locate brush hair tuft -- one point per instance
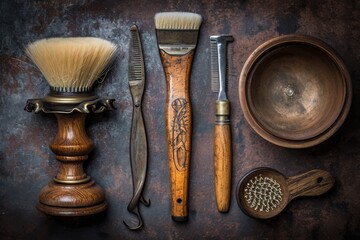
(72, 64)
(178, 20)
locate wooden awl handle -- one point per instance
(222, 156)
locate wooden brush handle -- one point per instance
(222, 156)
(72, 190)
(312, 183)
(71, 146)
(178, 128)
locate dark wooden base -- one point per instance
(83, 199)
(71, 212)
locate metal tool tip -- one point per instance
(133, 27)
(227, 37)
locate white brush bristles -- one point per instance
(72, 64)
(178, 20)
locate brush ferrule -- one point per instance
(222, 112)
(177, 49)
(177, 42)
(71, 89)
(68, 98)
(67, 104)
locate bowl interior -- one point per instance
(295, 91)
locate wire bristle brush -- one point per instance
(177, 34)
(264, 192)
(72, 64)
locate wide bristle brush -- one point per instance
(71, 66)
(177, 34)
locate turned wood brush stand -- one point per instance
(72, 192)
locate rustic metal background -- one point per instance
(27, 164)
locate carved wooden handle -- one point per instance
(312, 183)
(178, 128)
(222, 156)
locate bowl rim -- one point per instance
(277, 42)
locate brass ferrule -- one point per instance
(72, 98)
(61, 101)
(68, 102)
(84, 180)
(222, 107)
(222, 111)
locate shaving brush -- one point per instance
(71, 66)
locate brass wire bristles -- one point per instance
(177, 20)
(72, 64)
(263, 193)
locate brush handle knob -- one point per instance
(178, 129)
(312, 183)
(222, 156)
(71, 146)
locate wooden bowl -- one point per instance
(295, 91)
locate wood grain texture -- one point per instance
(72, 212)
(26, 163)
(295, 91)
(72, 196)
(178, 129)
(222, 166)
(72, 193)
(270, 191)
(71, 146)
(312, 183)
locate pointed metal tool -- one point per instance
(138, 141)
(222, 133)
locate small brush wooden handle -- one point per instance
(312, 183)
(222, 156)
(178, 128)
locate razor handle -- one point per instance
(177, 70)
(222, 156)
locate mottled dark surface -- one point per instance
(27, 164)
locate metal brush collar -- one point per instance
(61, 101)
(177, 42)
